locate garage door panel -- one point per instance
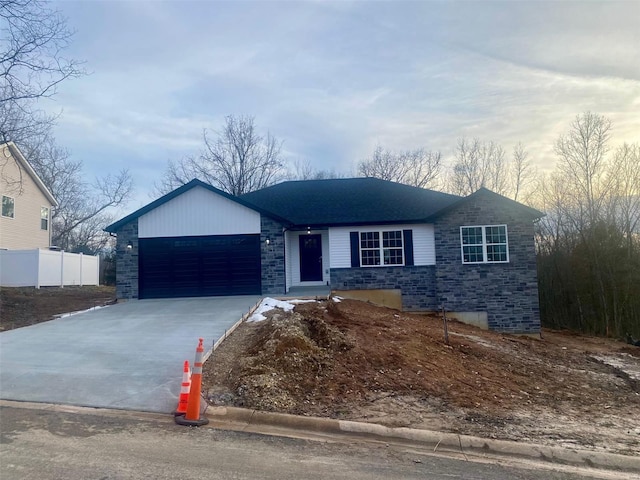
(200, 266)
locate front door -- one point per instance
(310, 258)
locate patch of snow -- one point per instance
(65, 315)
(478, 340)
(267, 305)
(296, 301)
(337, 299)
(623, 361)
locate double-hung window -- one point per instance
(8, 207)
(378, 248)
(44, 218)
(484, 244)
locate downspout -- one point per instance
(50, 222)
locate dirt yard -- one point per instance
(352, 360)
(20, 307)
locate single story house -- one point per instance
(473, 255)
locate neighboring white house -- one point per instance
(25, 219)
(25, 231)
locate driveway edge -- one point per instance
(228, 332)
(438, 441)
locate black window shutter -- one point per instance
(408, 246)
(355, 249)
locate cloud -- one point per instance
(334, 79)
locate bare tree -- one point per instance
(89, 236)
(589, 253)
(177, 173)
(83, 208)
(522, 172)
(582, 154)
(382, 164)
(582, 164)
(418, 168)
(625, 191)
(21, 126)
(303, 170)
(33, 37)
(236, 160)
(327, 174)
(478, 164)
(422, 167)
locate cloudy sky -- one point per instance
(334, 79)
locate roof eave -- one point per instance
(17, 154)
(357, 224)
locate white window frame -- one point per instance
(381, 248)
(48, 217)
(484, 244)
(13, 200)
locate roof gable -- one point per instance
(16, 154)
(482, 191)
(177, 192)
(198, 212)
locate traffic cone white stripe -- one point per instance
(183, 400)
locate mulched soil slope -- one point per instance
(20, 307)
(325, 356)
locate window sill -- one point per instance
(486, 263)
(382, 266)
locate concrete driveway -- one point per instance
(128, 355)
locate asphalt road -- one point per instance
(46, 444)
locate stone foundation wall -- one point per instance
(417, 283)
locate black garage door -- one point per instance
(199, 266)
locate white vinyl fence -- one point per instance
(47, 268)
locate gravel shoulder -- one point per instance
(355, 361)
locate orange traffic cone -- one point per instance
(192, 417)
(183, 400)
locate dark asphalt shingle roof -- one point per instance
(349, 201)
(334, 202)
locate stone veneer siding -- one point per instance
(127, 261)
(417, 283)
(272, 256)
(508, 292)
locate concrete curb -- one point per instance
(337, 430)
(438, 441)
